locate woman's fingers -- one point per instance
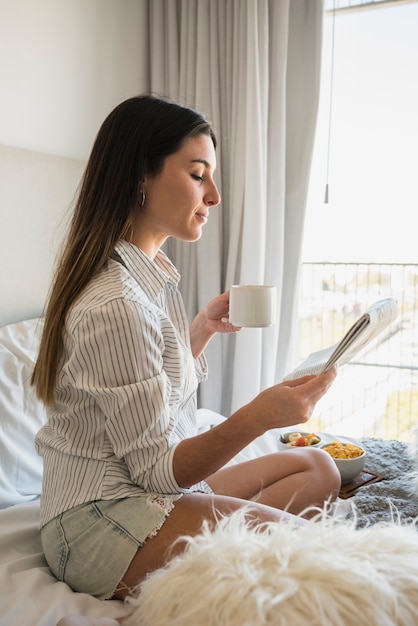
(293, 401)
(314, 387)
(314, 382)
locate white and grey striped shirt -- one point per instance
(126, 389)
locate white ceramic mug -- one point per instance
(253, 306)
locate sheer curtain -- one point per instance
(252, 66)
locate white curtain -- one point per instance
(252, 66)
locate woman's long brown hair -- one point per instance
(132, 142)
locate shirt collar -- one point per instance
(152, 275)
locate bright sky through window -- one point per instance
(373, 171)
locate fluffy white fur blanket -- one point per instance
(325, 573)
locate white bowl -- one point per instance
(283, 440)
(349, 468)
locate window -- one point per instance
(373, 147)
(362, 244)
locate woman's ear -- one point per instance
(141, 193)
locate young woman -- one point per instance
(125, 472)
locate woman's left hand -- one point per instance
(214, 318)
(217, 315)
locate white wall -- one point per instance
(36, 190)
(64, 64)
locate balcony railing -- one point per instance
(376, 394)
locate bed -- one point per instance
(32, 215)
(36, 190)
(29, 593)
(24, 573)
(23, 570)
(31, 596)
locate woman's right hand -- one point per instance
(290, 402)
(285, 404)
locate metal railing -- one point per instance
(345, 6)
(377, 393)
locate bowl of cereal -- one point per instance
(299, 439)
(349, 457)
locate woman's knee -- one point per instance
(324, 470)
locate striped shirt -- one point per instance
(126, 388)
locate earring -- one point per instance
(141, 198)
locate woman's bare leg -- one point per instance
(290, 481)
(187, 518)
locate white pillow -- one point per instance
(21, 414)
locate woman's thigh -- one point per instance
(73, 542)
(186, 519)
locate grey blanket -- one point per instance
(395, 497)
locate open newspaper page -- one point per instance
(363, 331)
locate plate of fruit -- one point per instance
(299, 439)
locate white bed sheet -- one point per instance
(29, 594)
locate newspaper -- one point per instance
(362, 332)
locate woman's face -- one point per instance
(178, 199)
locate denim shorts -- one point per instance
(91, 546)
